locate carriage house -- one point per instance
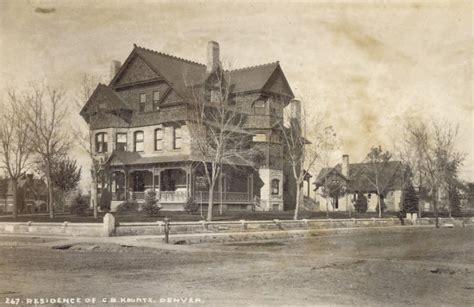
(140, 128)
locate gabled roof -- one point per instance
(393, 173)
(183, 74)
(113, 99)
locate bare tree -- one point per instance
(439, 159)
(216, 131)
(44, 111)
(300, 154)
(14, 150)
(379, 174)
(84, 137)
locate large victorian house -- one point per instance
(140, 125)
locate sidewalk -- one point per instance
(184, 240)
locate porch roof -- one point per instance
(123, 158)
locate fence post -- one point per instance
(109, 225)
(167, 230)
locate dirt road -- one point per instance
(416, 266)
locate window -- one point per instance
(177, 138)
(159, 139)
(142, 102)
(102, 106)
(260, 137)
(259, 107)
(369, 196)
(275, 187)
(121, 142)
(138, 140)
(101, 142)
(156, 99)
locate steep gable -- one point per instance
(278, 84)
(136, 71)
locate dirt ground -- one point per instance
(413, 266)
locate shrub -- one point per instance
(79, 205)
(410, 200)
(105, 200)
(151, 207)
(191, 207)
(361, 203)
(127, 206)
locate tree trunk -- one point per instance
(297, 205)
(210, 202)
(93, 200)
(435, 204)
(15, 198)
(50, 191)
(379, 204)
(327, 206)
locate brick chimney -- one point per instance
(213, 61)
(345, 166)
(114, 68)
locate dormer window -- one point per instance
(156, 99)
(142, 104)
(102, 106)
(259, 107)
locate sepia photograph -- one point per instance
(236, 153)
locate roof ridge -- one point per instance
(168, 55)
(254, 66)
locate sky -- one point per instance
(368, 66)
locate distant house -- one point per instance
(32, 195)
(352, 178)
(140, 125)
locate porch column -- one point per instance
(125, 171)
(251, 187)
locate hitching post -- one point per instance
(167, 229)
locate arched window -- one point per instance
(275, 187)
(101, 142)
(158, 139)
(259, 107)
(138, 140)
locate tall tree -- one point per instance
(44, 111)
(300, 154)
(84, 138)
(215, 130)
(66, 176)
(378, 174)
(14, 149)
(439, 159)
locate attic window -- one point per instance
(156, 99)
(259, 107)
(102, 106)
(142, 102)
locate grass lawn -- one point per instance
(125, 217)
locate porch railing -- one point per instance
(227, 197)
(173, 196)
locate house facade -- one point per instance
(337, 187)
(32, 195)
(140, 129)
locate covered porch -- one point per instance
(179, 183)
